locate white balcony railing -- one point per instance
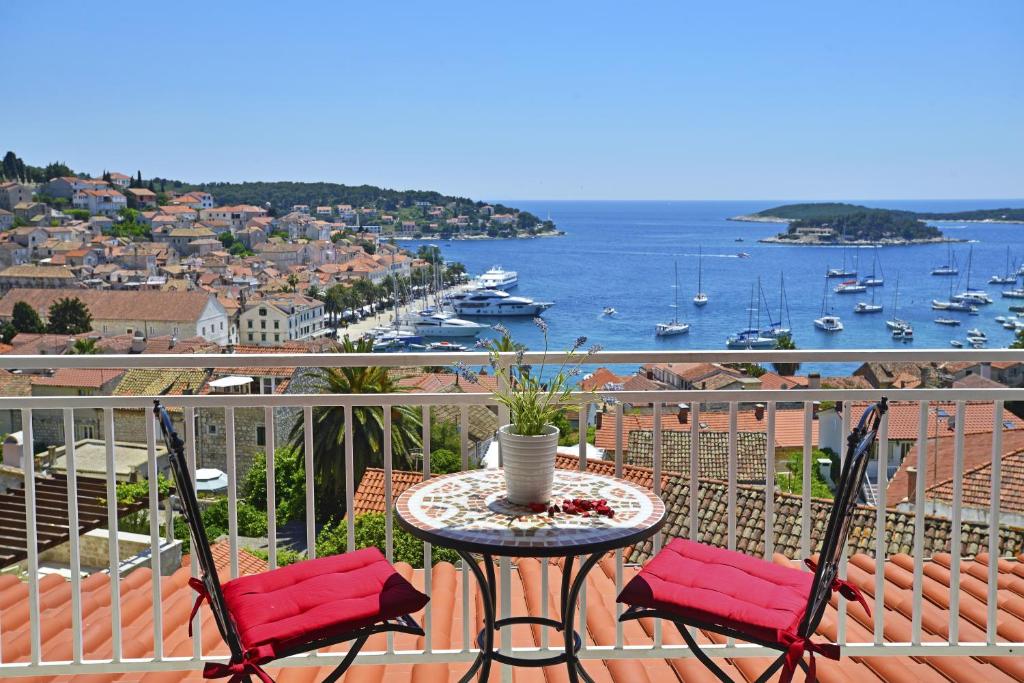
(36, 664)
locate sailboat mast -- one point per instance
(700, 270)
(675, 312)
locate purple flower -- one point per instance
(541, 325)
(575, 372)
(596, 348)
(519, 357)
(502, 330)
(465, 373)
(580, 341)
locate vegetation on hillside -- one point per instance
(978, 215)
(853, 222)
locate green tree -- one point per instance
(785, 343)
(7, 332)
(370, 533)
(791, 480)
(25, 319)
(444, 461)
(367, 428)
(289, 484)
(86, 346)
(69, 316)
(1018, 342)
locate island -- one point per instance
(840, 223)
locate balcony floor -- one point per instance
(526, 596)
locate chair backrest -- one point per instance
(200, 544)
(848, 492)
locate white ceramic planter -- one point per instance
(529, 463)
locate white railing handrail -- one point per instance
(480, 358)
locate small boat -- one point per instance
(829, 323)
(904, 333)
(896, 321)
(1000, 319)
(961, 306)
(949, 267)
(1017, 309)
(977, 342)
(498, 278)
(445, 346)
(1008, 278)
(700, 298)
(874, 279)
(956, 343)
(751, 337)
(739, 239)
(850, 287)
(841, 272)
(976, 333)
(973, 296)
(675, 327)
(1015, 293)
(947, 321)
(864, 307)
(609, 311)
(743, 254)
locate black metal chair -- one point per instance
(294, 609)
(738, 596)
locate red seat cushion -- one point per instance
(722, 587)
(318, 599)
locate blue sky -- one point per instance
(668, 100)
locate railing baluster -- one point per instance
(992, 596)
(31, 535)
(271, 457)
(881, 547)
(389, 506)
(350, 517)
(769, 485)
(619, 638)
(74, 529)
(656, 457)
(190, 454)
(581, 452)
(113, 549)
(805, 503)
(732, 466)
(154, 536)
(955, 543)
(694, 471)
(428, 574)
(307, 444)
(229, 431)
(840, 600)
(919, 512)
(464, 450)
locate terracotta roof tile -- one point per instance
(904, 418)
(789, 426)
(977, 485)
(713, 453)
(115, 305)
(86, 378)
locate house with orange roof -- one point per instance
(238, 215)
(104, 202)
(65, 187)
(140, 198)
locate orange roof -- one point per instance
(789, 426)
(89, 378)
(977, 485)
(526, 597)
(904, 418)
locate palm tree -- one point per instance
(293, 282)
(367, 429)
(85, 346)
(785, 343)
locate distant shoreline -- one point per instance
(752, 218)
(814, 242)
(453, 238)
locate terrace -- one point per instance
(946, 591)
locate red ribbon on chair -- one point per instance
(844, 588)
(240, 671)
(795, 649)
(199, 587)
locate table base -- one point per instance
(568, 601)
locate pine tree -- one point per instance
(25, 319)
(69, 316)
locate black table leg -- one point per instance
(569, 602)
(486, 583)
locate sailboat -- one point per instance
(828, 322)
(751, 337)
(949, 267)
(953, 303)
(700, 298)
(971, 295)
(896, 322)
(865, 307)
(1009, 278)
(674, 327)
(842, 272)
(776, 329)
(875, 278)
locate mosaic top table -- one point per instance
(468, 512)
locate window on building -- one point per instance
(212, 429)
(277, 324)
(263, 336)
(277, 337)
(250, 336)
(250, 324)
(267, 385)
(261, 436)
(263, 324)
(263, 311)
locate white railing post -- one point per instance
(232, 464)
(805, 481)
(154, 535)
(113, 546)
(270, 457)
(919, 513)
(881, 547)
(28, 459)
(955, 542)
(769, 484)
(992, 593)
(307, 443)
(74, 530)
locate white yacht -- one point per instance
(498, 278)
(750, 339)
(495, 302)
(700, 298)
(434, 324)
(865, 307)
(829, 323)
(674, 327)
(850, 287)
(1015, 293)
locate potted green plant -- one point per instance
(534, 397)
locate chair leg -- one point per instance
(691, 643)
(357, 645)
(770, 671)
